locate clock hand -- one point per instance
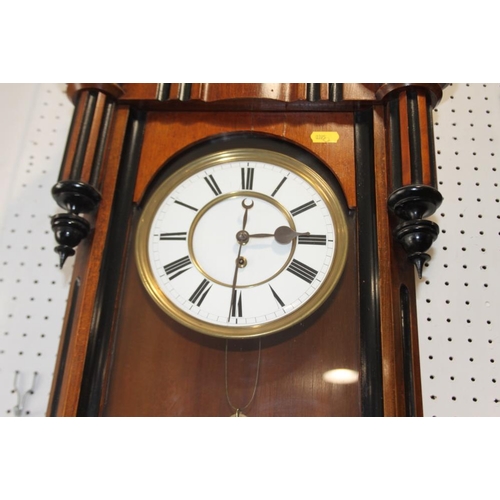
(282, 235)
(239, 260)
(246, 207)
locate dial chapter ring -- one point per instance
(222, 198)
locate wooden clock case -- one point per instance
(120, 355)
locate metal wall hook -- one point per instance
(21, 400)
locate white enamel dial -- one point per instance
(208, 253)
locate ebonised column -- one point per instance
(412, 166)
(78, 187)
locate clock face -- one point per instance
(241, 243)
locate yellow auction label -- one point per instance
(324, 136)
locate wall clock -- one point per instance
(243, 247)
(242, 243)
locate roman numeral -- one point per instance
(303, 208)
(279, 185)
(277, 297)
(302, 271)
(173, 236)
(177, 267)
(236, 305)
(312, 239)
(247, 178)
(185, 205)
(200, 293)
(213, 185)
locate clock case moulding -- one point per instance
(125, 137)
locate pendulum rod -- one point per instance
(239, 409)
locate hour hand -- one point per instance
(283, 235)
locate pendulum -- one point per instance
(239, 411)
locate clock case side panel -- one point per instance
(388, 327)
(399, 331)
(90, 307)
(102, 329)
(368, 261)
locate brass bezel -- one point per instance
(300, 169)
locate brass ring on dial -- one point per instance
(220, 199)
(300, 169)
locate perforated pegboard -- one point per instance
(33, 290)
(458, 297)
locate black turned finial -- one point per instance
(415, 201)
(412, 203)
(416, 237)
(76, 197)
(69, 229)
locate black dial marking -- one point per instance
(247, 178)
(277, 297)
(200, 293)
(303, 208)
(178, 267)
(236, 305)
(312, 239)
(185, 205)
(279, 185)
(173, 236)
(302, 271)
(213, 185)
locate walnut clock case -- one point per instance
(244, 249)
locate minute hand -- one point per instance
(282, 235)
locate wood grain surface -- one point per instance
(160, 368)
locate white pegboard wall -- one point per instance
(459, 296)
(33, 290)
